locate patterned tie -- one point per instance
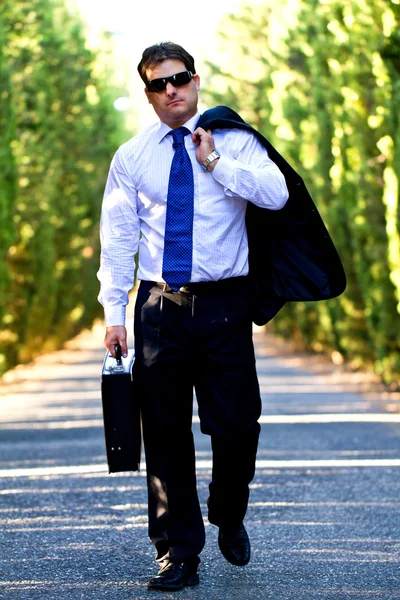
(177, 261)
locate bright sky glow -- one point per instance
(146, 23)
(122, 104)
(136, 25)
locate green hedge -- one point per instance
(328, 74)
(58, 132)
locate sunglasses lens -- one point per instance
(177, 80)
(157, 85)
(181, 78)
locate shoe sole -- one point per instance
(190, 581)
(241, 563)
(236, 563)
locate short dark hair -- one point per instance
(154, 55)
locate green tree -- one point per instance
(330, 85)
(7, 176)
(65, 132)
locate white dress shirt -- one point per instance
(135, 203)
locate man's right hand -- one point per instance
(116, 335)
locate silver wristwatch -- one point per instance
(210, 158)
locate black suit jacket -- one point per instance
(291, 255)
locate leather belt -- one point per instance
(206, 288)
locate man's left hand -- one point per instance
(205, 145)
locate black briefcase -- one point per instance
(121, 413)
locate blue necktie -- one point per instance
(177, 260)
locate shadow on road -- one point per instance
(324, 509)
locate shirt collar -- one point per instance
(164, 129)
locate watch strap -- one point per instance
(209, 159)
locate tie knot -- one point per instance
(178, 135)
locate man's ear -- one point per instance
(196, 79)
(146, 91)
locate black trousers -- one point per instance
(201, 339)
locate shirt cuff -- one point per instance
(223, 171)
(114, 315)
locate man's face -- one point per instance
(174, 105)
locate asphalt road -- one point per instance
(324, 508)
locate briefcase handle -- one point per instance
(118, 354)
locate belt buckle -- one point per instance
(184, 290)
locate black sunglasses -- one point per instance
(177, 80)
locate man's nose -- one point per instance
(170, 89)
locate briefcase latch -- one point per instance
(116, 369)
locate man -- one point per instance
(179, 194)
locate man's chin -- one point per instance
(176, 114)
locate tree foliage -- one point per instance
(321, 79)
(58, 129)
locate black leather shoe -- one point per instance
(173, 576)
(235, 545)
